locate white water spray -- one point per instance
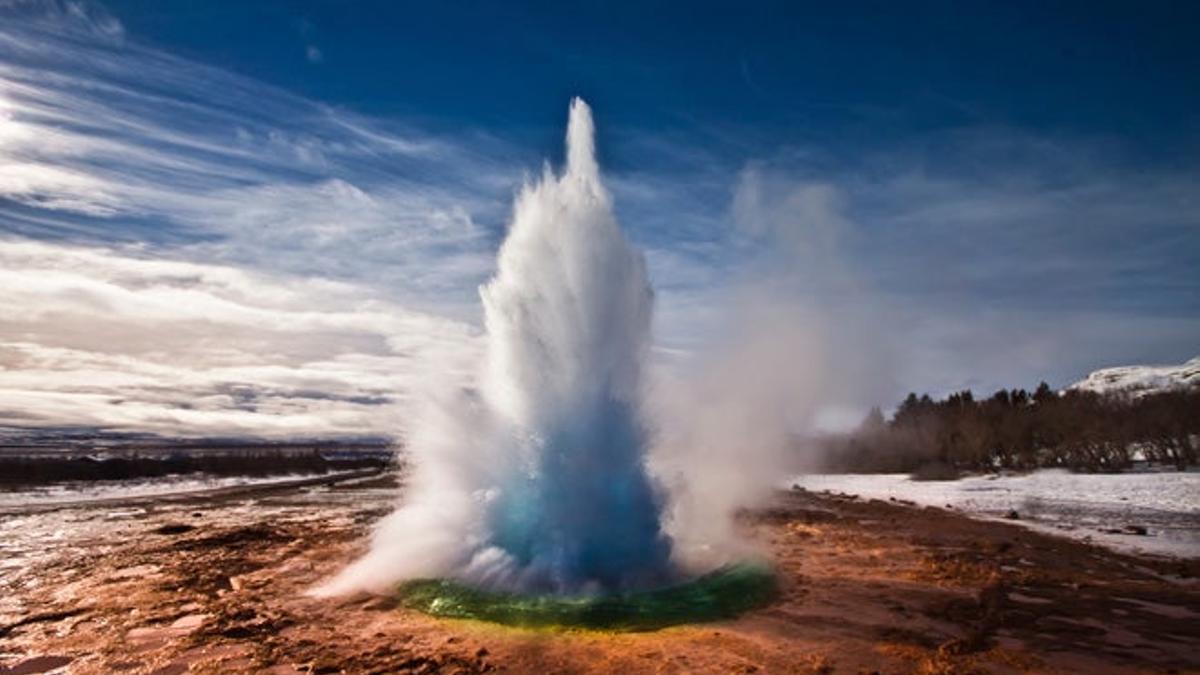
(537, 481)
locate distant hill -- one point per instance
(1141, 380)
(83, 440)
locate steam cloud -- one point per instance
(569, 469)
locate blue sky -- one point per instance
(791, 72)
(272, 217)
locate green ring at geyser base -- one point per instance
(721, 594)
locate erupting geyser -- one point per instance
(568, 320)
(536, 481)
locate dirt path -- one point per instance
(867, 587)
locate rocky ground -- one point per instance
(217, 585)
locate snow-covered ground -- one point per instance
(104, 490)
(1076, 505)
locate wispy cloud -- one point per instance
(67, 16)
(124, 143)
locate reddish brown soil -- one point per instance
(867, 587)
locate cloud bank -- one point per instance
(111, 339)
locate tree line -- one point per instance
(1017, 430)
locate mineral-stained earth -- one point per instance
(217, 584)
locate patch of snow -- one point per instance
(1097, 507)
(162, 486)
(1141, 380)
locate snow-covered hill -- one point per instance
(1142, 379)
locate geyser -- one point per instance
(568, 320)
(536, 482)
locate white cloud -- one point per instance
(58, 189)
(107, 338)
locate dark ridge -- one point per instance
(86, 439)
(23, 470)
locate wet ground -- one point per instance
(216, 584)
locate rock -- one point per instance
(38, 664)
(174, 528)
(1012, 515)
(189, 623)
(142, 572)
(1138, 530)
(146, 636)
